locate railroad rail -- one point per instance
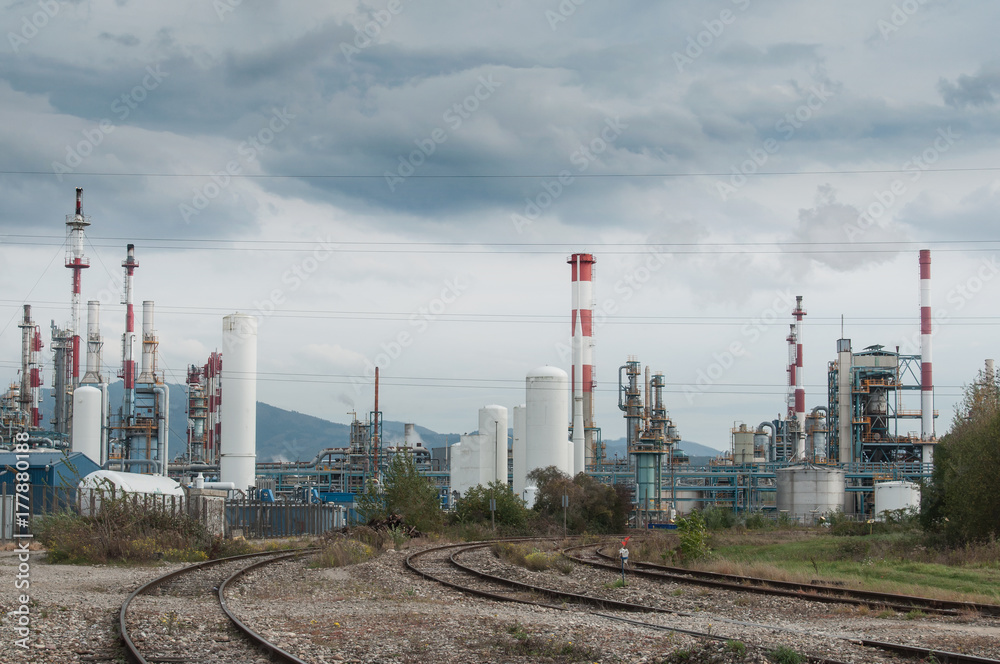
(813, 592)
(212, 587)
(445, 568)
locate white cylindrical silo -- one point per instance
(238, 410)
(897, 495)
(518, 453)
(546, 420)
(493, 429)
(87, 422)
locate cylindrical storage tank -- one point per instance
(687, 501)
(238, 410)
(87, 422)
(647, 486)
(530, 495)
(899, 495)
(808, 492)
(546, 420)
(466, 463)
(743, 445)
(493, 429)
(519, 452)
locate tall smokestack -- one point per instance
(147, 372)
(94, 344)
(76, 261)
(800, 393)
(128, 339)
(926, 357)
(583, 376)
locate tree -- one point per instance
(405, 492)
(961, 499)
(474, 506)
(593, 506)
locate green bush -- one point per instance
(693, 535)
(511, 513)
(718, 518)
(123, 529)
(785, 655)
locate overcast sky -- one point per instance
(362, 175)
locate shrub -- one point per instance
(693, 536)
(718, 518)
(785, 655)
(341, 551)
(123, 529)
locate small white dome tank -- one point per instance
(547, 419)
(100, 482)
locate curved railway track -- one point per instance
(443, 565)
(155, 612)
(813, 592)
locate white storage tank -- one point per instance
(86, 435)
(518, 452)
(807, 492)
(547, 419)
(898, 495)
(238, 408)
(466, 463)
(687, 501)
(743, 445)
(493, 429)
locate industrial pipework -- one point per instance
(76, 261)
(31, 370)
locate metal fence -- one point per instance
(244, 517)
(254, 518)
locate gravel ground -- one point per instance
(380, 612)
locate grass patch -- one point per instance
(341, 551)
(519, 642)
(785, 655)
(529, 557)
(896, 562)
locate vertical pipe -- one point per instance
(94, 344)
(926, 358)
(76, 261)
(376, 443)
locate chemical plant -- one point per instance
(862, 451)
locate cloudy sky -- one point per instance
(401, 183)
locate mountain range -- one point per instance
(287, 435)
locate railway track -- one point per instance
(443, 564)
(813, 592)
(157, 620)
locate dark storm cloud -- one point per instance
(982, 90)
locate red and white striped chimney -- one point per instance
(926, 358)
(583, 362)
(800, 393)
(76, 261)
(128, 339)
